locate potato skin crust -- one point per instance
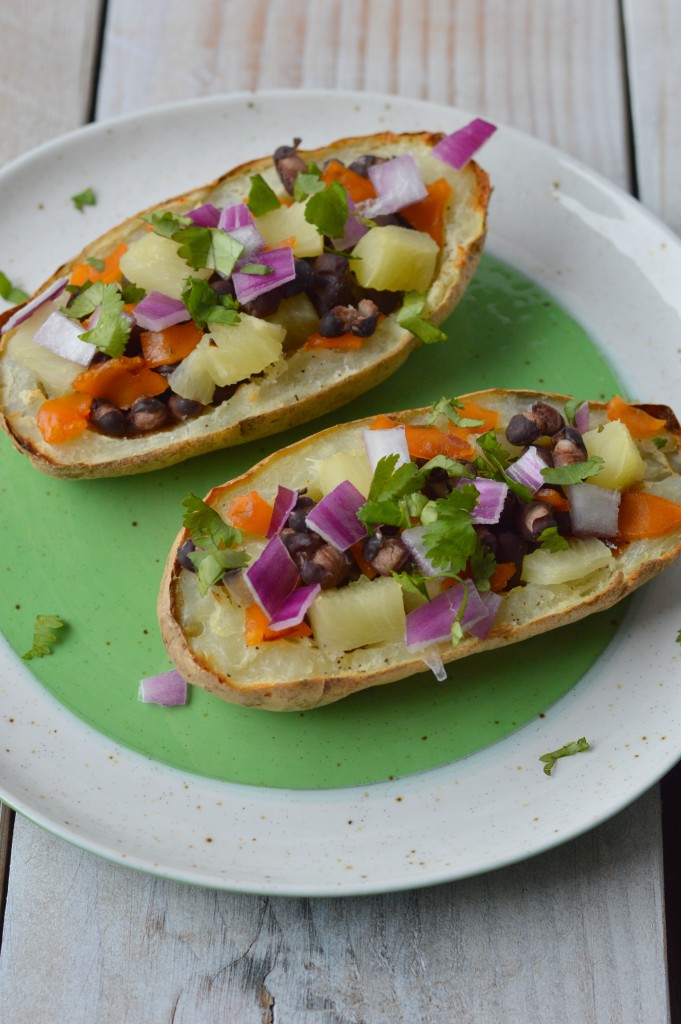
(313, 383)
(650, 558)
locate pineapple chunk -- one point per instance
(395, 259)
(55, 373)
(353, 466)
(242, 349)
(298, 317)
(365, 612)
(289, 222)
(551, 567)
(152, 263)
(193, 378)
(623, 463)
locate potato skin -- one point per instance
(646, 559)
(313, 383)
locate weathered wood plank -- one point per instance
(47, 57)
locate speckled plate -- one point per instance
(615, 270)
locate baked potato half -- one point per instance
(170, 391)
(506, 515)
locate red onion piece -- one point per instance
(481, 627)
(252, 241)
(458, 148)
(380, 443)
(432, 622)
(398, 183)
(582, 418)
(272, 577)
(29, 308)
(294, 608)
(413, 538)
(236, 216)
(491, 500)
(206, 216)
(527, 469)
(283, 505)
(168, 689)
(249, 286)
(60, 335)
(335, 517)
(594, 511)
(354, 230)
(157, 311)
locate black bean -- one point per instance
(439, 484)
(548, 419)
(522, 430)
(362, 164)
(392, 556)
(533, 519)
(147, 414)
(183, 553)
(108, 418)
(298, 515)
(327, 566)
(264, 305)
(222, 393)
(568, 448)
(299, 542)
(183, 408)
(332, 283)
(303, 280)
(289, 165)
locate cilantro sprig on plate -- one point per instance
(44, 635)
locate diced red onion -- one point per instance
(272, 577)
(294, 608)
(335, 517)
(236, 216)
(432, 622)
(433, 661)
(283, 505)
(594, 511)
(527, 469)
(29, 308)
(381, 443)
(61, 335)
(206, 216)
(157, 311)
(168, 689)
(412, 537)
(482, 626)
(458, 148)
(249, 286)
(252, 241)
(354, 230)
(398, 183)
(491, 500)
(582, 418)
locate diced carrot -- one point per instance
(60, 419)
(552, 497)
(471, 411)
(644, 515)
(111, 272)
(250, 512)
(121, 381)
(257, 631)
(503, 572)
(640, 424)
(427, 442)
(429, 214)
(366, 567)
(343, 342)
(384, 422)
(357, 186)
(162, 348)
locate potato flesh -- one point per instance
(152, 263)
(623, 463)
(289, 222)
(363, 613)
(580, 559)
(395, 259)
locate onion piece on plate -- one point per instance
(168, 689)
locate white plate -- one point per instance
(616, 269)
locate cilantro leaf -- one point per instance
(409, 317)
(85, 198)
(659, 442)
(552, 541)
(9, 292)
(482, 564)
(208, 247)
(44, 634)
(206, 527)
(575, 747)
(386, 503)
(328, 210)
(131, 293)
(574, 473)
(453, 467)
(261, 198)
(450, 539)
(412, 583)
(448, 407)
(496, 460)
(92, 261)
(205, 305)
(571, 408)
(678, 637)
(307, 185)
(211, 565)
(167, 223)
(112, 330)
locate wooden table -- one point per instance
(577, 934)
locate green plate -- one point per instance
(93, 553)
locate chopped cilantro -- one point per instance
(94, 262)
(83, 199)
(261, 198)
(448, 407)
(44, 634)
(112, 330)
(328, 210)
(412, 583)
(457, 628)
(575, 747)
(659, 442)
(574, 473)
(167, 223)
(209, 248)
(552, 541)
(131, 293)
(410, 317)
(482, 564)
(386, 504)
(205, 305)
(214, 537)
(307, 185)
(495, 462)
(258, 269)
(211, 565)
(9, 292)
(571, 408)
(678, 637)
(450, 539)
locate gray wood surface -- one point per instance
(575, 935)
